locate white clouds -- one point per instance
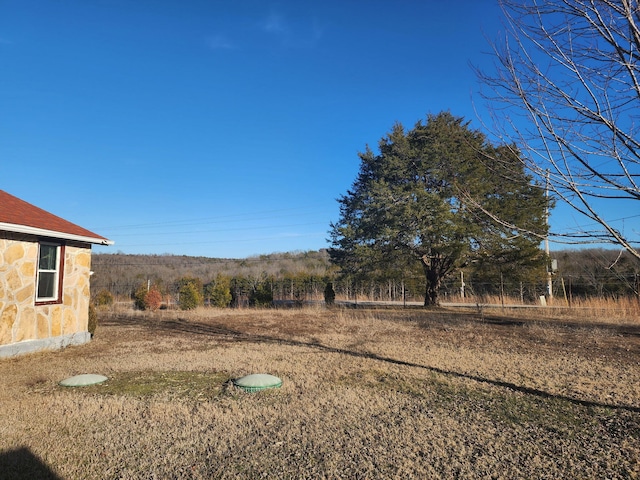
(220, 42)
(292, 33)
(272, 28)
(275, 24)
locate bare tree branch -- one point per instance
(565, 91)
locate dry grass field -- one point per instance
(367, 394)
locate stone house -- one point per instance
(45, 264)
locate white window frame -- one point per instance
(57, 274)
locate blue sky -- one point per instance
(221, 129)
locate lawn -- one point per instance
(387, 393)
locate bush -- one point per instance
(218, 292)
(103, 298)
(153, 299)
(139, 297)
(329, 294)
(150, 299)
(189, 297)
(262, 296)
(93, 320)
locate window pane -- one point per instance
(47, 284)
(48, 257)
(48, 273)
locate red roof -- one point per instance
(20, 213)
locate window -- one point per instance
(49, 279)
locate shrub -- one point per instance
(103, 298)
(150, 299)
(139, 297)
(218, 292)
(189, 297)
(153, 299)
(261, 296)
(93, 320)
(329, 294)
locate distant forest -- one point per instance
(303, 276)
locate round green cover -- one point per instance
(83, 380)
(258, 381)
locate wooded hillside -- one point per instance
(295, 275)
(121, 273)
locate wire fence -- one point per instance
(309, 288)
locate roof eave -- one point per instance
(10, 227)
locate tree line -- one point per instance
(258, 280)
(301, 277)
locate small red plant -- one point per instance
(153, 299)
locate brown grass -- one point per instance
(592, 311)
(367, 394)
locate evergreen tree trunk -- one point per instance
(433, 281)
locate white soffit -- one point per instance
(10, 227)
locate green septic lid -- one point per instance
(257, 381)
(83, 380)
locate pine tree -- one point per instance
(439, 195)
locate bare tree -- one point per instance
(566, 91)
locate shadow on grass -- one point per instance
(228, 334)
(21, 464)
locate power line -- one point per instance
(255, 215)
(226, 241)
(217, 230)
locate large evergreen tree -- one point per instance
(440, 195)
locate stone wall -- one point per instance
(27, 327)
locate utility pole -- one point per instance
(546, 241)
